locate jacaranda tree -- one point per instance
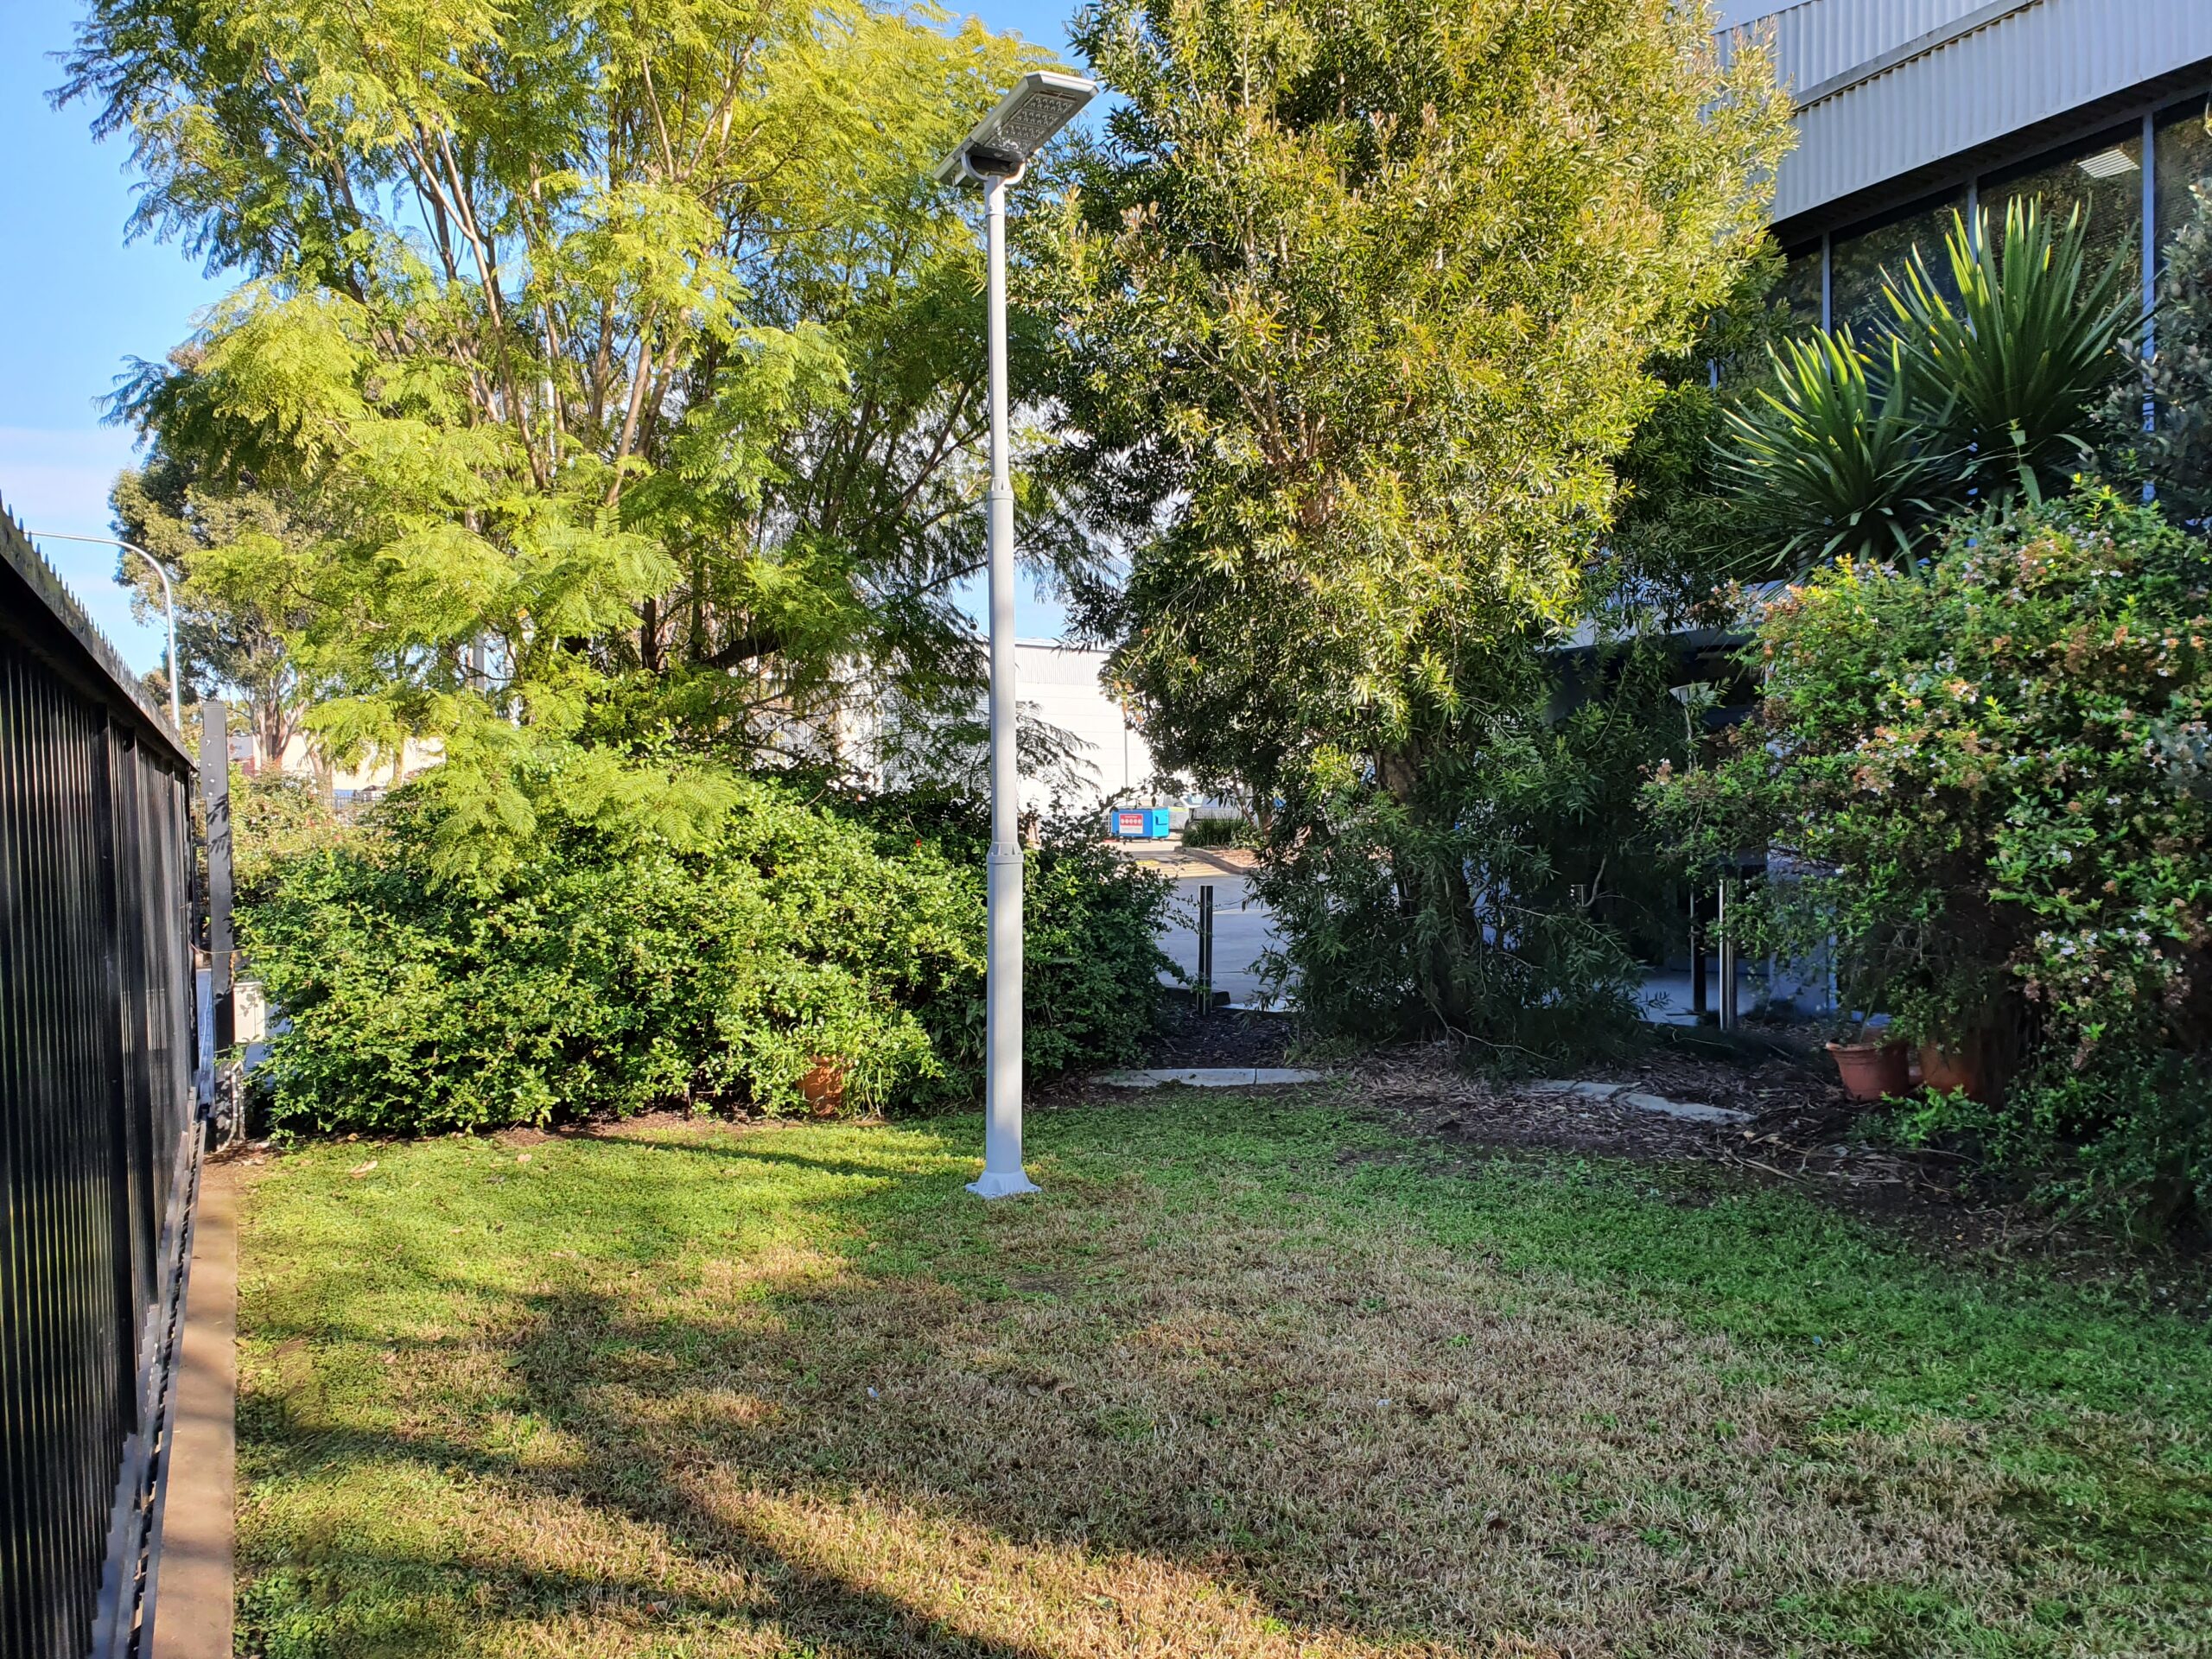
(623, 358)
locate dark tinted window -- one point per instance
(2184, 161)
(1800, 289)
(2104, 179)
(1862, 262)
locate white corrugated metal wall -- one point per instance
(1936, 78)
(1817, 40)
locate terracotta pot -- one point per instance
(1966, 1069)
(1870, 1071)
(823, 1085)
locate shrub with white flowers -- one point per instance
(2002, 756)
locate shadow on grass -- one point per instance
(363, 1597)
(1025, 1412)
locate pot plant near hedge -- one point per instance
(1996, 769)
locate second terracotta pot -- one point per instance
(1966, 1069)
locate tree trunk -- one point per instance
(1434, 894)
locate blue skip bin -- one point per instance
(1138, 822)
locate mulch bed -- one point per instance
(1805, 1134)
(1223, 1037)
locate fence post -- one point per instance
(1699, 1005)
(1729, 1012)
(215, 795)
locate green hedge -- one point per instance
(1217, 832)
(594, 976)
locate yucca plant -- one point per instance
(1833, 460)
(1992, 399)
(2010, 376)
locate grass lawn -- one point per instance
(1251, 1376)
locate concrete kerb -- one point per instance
(1210, 1076)
(193, 1615)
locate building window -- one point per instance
(1862, 262)
(1800, 290)
(2104, 179)
(2185, 160)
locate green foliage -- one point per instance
(582, 347)
(2176, 455)
(242, 566)
(616, 974)
(1833, 462)
(2001, 769)
(1532, 837)
(2010, 376)
(1973, 402)
(275, 819)
(1218, 832)
(1675, 534)
(1361, 305)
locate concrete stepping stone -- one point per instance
(1622, 1094)
(1210, 1076)
(1689, 1112)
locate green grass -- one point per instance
(1249, 1378)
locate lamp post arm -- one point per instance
(169, 604)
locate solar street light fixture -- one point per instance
(1000, 145)
(994, 155)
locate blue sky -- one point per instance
(82, 302)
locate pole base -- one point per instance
(1002, 1184)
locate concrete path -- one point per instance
(1669, 995)
(1242, 928)
(192, 1613)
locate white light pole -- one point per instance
(169, 602)
(994, 155)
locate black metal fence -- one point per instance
(98, 1162)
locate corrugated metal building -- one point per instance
(1909, 110)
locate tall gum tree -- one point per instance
(1360, 301)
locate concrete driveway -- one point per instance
(1242, 928)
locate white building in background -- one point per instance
(1100, 744)
(370, 777)
(1062, 686)
(1910, 111)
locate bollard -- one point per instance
(1728, 1008)
(1699, 1004)
(1205, 949)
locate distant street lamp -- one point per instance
(995, 155)
(168, 601)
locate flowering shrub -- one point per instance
(1998, 767)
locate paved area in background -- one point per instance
(1667, 995)
(192, 1603)
(1242, 927)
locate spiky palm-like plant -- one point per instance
(1832, 461)
(1985, 400)
(2010, 375)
